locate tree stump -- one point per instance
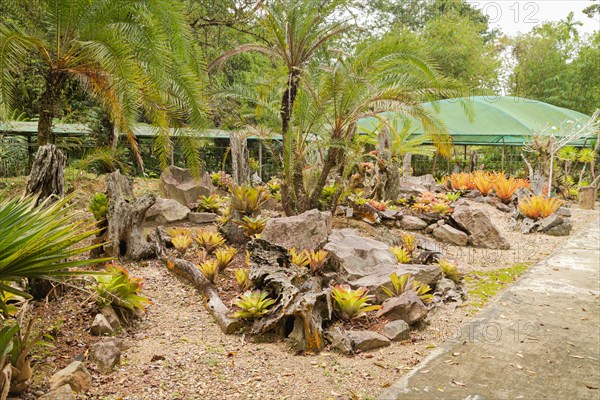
(587, 197)
(47, 177)
(125, 219)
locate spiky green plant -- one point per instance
(99, 206)
(300, 258)
(247, 200)
(252, 226)
(404, 282)
(401, 254)
(317, 259)
(224, 256)
(209, 240)
(41, 242)
(135, 58)
(209, 269)
(210, 203)
(181, 243)
(242, 277)
(119, 289)
(353, 303)
(450, 270)
(253, 304)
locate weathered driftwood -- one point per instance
(186, 269)
(303, 302)
(125, 218)
(47, 177)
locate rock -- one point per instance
(482, 233)
(445, 285)
(448, 234)
(503, 207)
(587, 197)
(412, 223)
(308, 230)
(166, 211)
(111, 316)
(272, 204)
(106, 355)
(390, 214)
(491, 200)
(396, 330)
(101, 326)
(233, 233)
(75, 375)
(407, 307)
(339, 339)
(380, 277)
(179, 184)
(563, 229)
(428, 257)
(367, 340)
(202, 217)
(355, 256)
(63, 392)
(430, 228)
(528, 225)
(563, 212)
(549, 222)
(408, 187)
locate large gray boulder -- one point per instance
(447, 234)
(166, 211)
(482, 233)
(106, 355)
(179, 184)
(396, 330)
(101, 326)
(61, 393)
(415, 185)
(356, 256)
(308, 230)
(408, 307)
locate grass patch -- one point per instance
(483, 285)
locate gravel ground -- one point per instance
(176, 351)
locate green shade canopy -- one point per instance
(499, 120)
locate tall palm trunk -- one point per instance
(291, 188)
(48, 102)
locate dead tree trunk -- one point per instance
(303, 300)
(186, 269)
(239, 158)
(125, 218)
(47, 177)
(387, 181)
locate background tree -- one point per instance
(134, 58)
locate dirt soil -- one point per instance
(176, 351)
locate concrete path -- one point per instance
(539, 340)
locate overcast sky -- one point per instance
(521, 16)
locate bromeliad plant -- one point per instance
(300, 258)
(247, 200)
(210, 203)
(402, 255)
(41, 242)
(404, 282)
(224, 256)
(483, 182)
(121, 290)
(209, 269)
(505, 187)
(461, 181)
(209, 240)
(221, 179)
(317, 259)
(181, 243)
(353, 303)
(242, 277)
(253, 304)
(409, 242)
(450, 270)
(536, 207)
(252, 226)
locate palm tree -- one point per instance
(291, 32)
(134, 57)
(382, 77)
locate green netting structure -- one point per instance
(499, 120)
